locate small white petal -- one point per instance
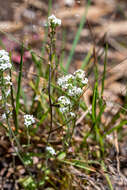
(8, 93)
(69, 2)
(63, 100)
(3, 116)
(85, 81)
(79, 74)
(72, 114)
(75, 91)
(28, 120)
(54, 20)
(50, 150)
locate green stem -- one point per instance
(28, 137)
(52, 33)
(14, 115)
(19, 88)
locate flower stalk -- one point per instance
(53, 22)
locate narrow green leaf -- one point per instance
(94, 102)
(61, 156)
(124, 122)
(104, 72)
(19, 83)
(86, 60)
(79, 165)
(81, 25)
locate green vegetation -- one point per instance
(44, 110)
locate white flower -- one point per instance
(3, 116)
(65, 104)
(72, 114)
(66, 86)
(28, 120)
(37, 98)
(65, 81)
(69, 78)
(61, 81)
(85, 81)
(73, 85)
(63, 100)
(8, 80)
(75, 91)
(53, 20)
(69, 2)
(4, 60)
(79, 74)
(8, 93)
(64, 109)
(50, 150)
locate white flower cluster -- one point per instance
(66, 81)
(64, 101)
(28, 120)
(80, 76)
(7, 82)
(53, 20)
(75, 91)
(65, 104)
(50, 150)
(4, 60)
(73, 85)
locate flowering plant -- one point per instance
(53, 21)
(73, 85)
(4, 60)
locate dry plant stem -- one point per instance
(117, 151)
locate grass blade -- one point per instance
(104, 72)
(19, 83)
(124, 122)
(94, 103)
(83, 20)
(86, 60)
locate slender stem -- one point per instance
(4, 98)
(19, 87)
(28, 137)
(12, 136)
(49, 82)
(50, 101)
(13, 105)
(74, 124)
